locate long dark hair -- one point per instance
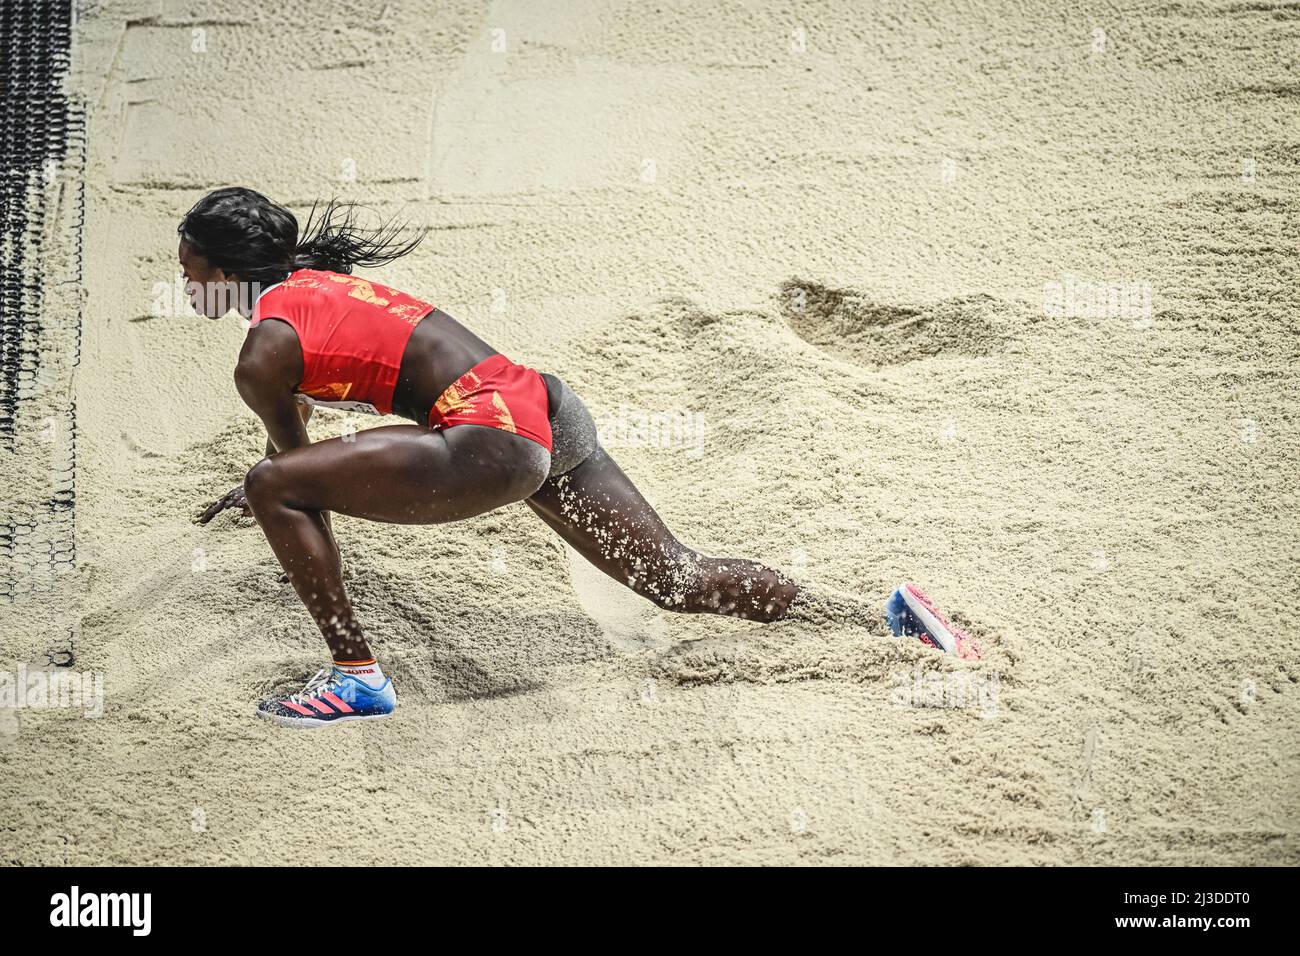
(241, 231)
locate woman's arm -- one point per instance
(304, 411)
(268, 372)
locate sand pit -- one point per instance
(972, 295)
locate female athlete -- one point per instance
(485, 432)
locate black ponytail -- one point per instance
(241, 231)
(334, 242)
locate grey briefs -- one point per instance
(573, 432)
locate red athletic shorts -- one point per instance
(498, 393)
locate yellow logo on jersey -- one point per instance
(360, 289)
(332, 392)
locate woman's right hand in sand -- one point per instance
(234, 498)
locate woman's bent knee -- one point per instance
(260, 484)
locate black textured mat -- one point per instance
(41, 204)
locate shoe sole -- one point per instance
(952, 640)
(311, 723)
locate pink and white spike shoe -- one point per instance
(910, 611)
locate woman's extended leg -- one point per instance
(600, 513)
(403, 474)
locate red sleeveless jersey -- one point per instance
(352, 332)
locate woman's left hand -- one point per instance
(234, 498)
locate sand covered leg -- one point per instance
(599, 512)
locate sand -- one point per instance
(826, 234)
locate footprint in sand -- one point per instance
(848, 324)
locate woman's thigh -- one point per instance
(599, 511)
(404, 473)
